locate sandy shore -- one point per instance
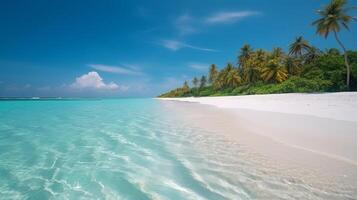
(339, 106)
(306, 132)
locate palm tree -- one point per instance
(219, 81)
(334, 17)
(212, 73)
(195, 82)
(293, 65)
(185, 87)
(229, 67)
(274, 71)
(245, 53)
(222, 78)
(251, 72)
(299, 47)
(225, 74)
(261, 55)
(312, 54)
(203, 81)
(333, 51)
(277, 53)
(233, 78)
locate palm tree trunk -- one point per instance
(346, 60)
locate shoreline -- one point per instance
(316, 143)
(337, 106)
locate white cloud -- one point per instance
(171, 44)
(175, 45)
(116, 69)
(92, 80)
(198, 66)
(184, 24)
(188, 24)
(229, 17)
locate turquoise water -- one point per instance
(91, 149)
(126, 149)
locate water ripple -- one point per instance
(131, 149)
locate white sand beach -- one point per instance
(309, 133)
(339, 106)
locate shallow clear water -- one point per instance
(127, 149)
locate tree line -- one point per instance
(304, 68)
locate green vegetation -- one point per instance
(333, 17)
(303, 69)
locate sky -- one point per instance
(137, 48)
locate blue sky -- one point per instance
(139, 48)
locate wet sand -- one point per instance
(319, 151)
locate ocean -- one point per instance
(126, 149)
